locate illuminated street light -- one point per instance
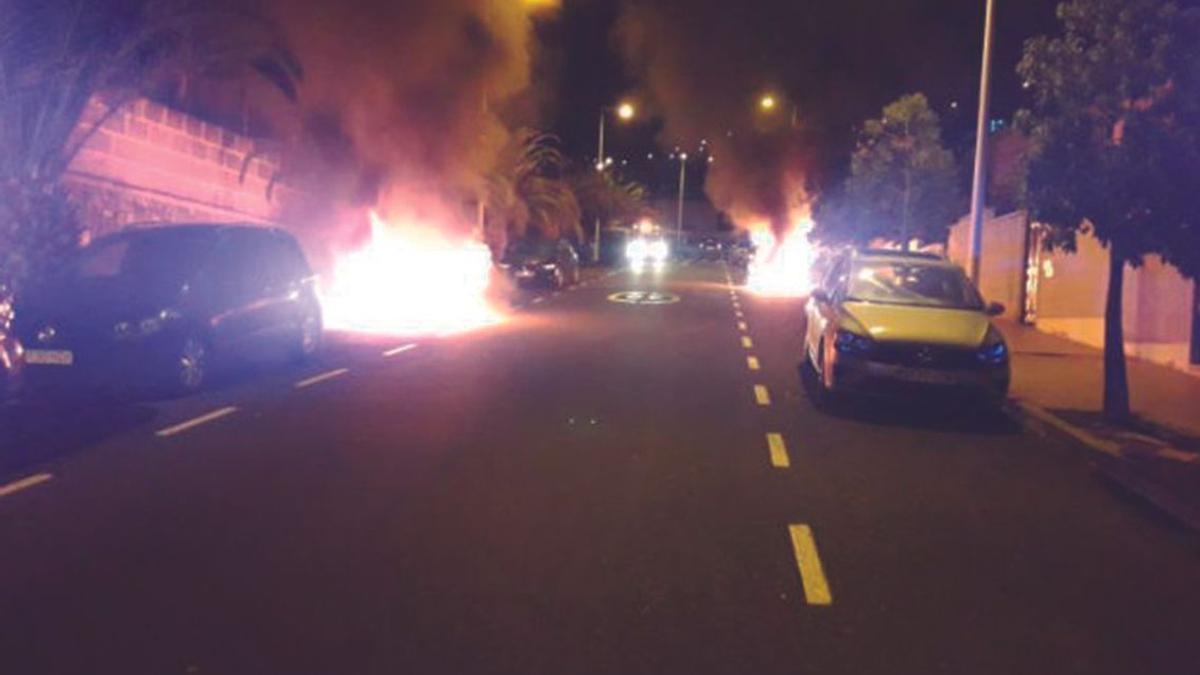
(625, 112)
(767, 102)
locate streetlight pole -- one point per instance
(682, 184)
(599, 168)
(979, 185)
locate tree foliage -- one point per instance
(1115, 127)
(55, 55)
(528, 192)
(903, 182)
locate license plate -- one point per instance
(922, 376)
(49, 357)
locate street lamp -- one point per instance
(767, 102)
(625, 111)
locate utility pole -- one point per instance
(600, 169)
(682, 184)
(979, 185)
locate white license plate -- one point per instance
(49, 357)
(922, 376)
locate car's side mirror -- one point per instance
(820, 295)
(994, 309)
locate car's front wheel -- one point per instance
(309, 333)
(190, 364)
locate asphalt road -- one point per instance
(588, 488)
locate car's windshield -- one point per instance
(909, 283)
(149, 257)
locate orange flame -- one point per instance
(410, 279)
(782, 268)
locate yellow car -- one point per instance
(885, 322)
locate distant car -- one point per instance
(711, 249)
(884, 321)
(645, 250)
(542, 262)
(161, 305)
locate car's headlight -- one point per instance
(847, 342)
(993, 351)
(147, 326)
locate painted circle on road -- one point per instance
(643, 298)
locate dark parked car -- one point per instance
(711, 249)
(160, 305)
(542, 263)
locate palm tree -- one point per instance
(527, 191)
(56, 55)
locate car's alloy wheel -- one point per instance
(308, 339)
(191, 364)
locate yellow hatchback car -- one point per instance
(888, 322)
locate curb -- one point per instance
(1119, 472)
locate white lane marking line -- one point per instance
(812, 575)
(742, 326)
(762, 395)
(329, 375)
(196, 421)
(538, 299)
(1098, 444)
(738, 314)
(752, 363)
(401, 349)
(24, 483)
(779, 455)
(747, 342)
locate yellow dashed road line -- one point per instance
(747, 342)
(752, 363)
(816, 586)
(779, 455)
(742, 326)
(761, 395)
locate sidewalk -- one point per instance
(1061, 383)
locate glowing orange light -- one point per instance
(625, 111)
(408, 279)
(782, 268)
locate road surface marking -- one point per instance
(24, 483)
(538, 299)
(401, 349)
(742, 326)
(816, 587)
(1098, 444)
(747, 342)
(762, 395)
(196, 421)
(779, 455)
(322, 377)
(738, 314)
(752, 363)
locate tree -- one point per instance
(527, 191)
(607, 197)
(56, 55)
(903, 182)
(1115, 128)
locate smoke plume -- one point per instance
(402, 102)
(704, 67)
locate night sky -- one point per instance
(840, 61)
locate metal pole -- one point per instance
(682, 183)
(600, 169)
(979, 186)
